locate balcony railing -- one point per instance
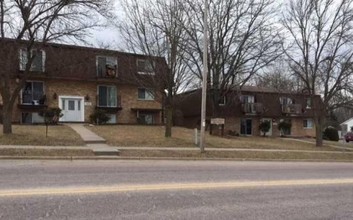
(252, 108)
(110, 109)
(32, 104)
(292, 109)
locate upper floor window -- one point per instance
(247, 99)
(38, 60)
(308, 103)
(107, 96)
(145, 67)
(222, 101)
(286, 101)
(33, 93)
(145, 94)
(107, 66)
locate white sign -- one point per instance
(217, 121)
(88, 103)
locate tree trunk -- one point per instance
(319, 127)
(169, 122)
(7, 119)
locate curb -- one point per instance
(163, 158)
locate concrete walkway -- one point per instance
(87, 136)
(96, 143)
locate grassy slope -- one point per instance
(35, 135)
(153, 136)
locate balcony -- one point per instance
(252, 108)
(294, 109)
(110, 109)
(33, 105)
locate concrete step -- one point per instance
(106, 152)
(96, 141)
(101, 149)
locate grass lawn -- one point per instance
(251, 155)
(46, 152)
(153, 136)
(35, 135)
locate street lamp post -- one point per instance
(204, 80)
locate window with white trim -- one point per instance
(107, 96)
(145, 67)
(308, 103)
(145, 94)
(222, 101)
(33, 93)
(247, 99)
(107, 66)
(308, 123)
(38, 60)
(286, 101)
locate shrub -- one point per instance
(284, 126)
(51, 115)
(265, 126)
(233, 133)
(331, 134)
(99, 117)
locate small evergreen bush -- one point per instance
(51, 115)
(331, 134)
(284, 126)
(99, 117)
(265, 126)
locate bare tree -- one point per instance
(320, 52)
(153, 28)
(242, 41)
(33, 23)
(278, 76)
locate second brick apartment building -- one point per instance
(244, 109)
(80, 80)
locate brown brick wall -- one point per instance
(127, 93)
(233, 124)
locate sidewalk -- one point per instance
(98, 145)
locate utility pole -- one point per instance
(204, 79)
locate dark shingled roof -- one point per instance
(190, 102)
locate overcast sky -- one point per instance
(108, 36)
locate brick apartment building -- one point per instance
(81, 79)
(244, 110)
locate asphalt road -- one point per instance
(175, 190)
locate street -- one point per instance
(175, 190)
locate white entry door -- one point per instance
(72, 108)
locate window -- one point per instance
(145, 67)
(31, 118)
(308, 103)
(71, 104)
(146, 118)
(33, 93)
(286, 101)
(107, 66)
(145, 94)
(308, 123)
(222, 101)
(37, 62)
(247, 99)
(107, 96)
(246, 127)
